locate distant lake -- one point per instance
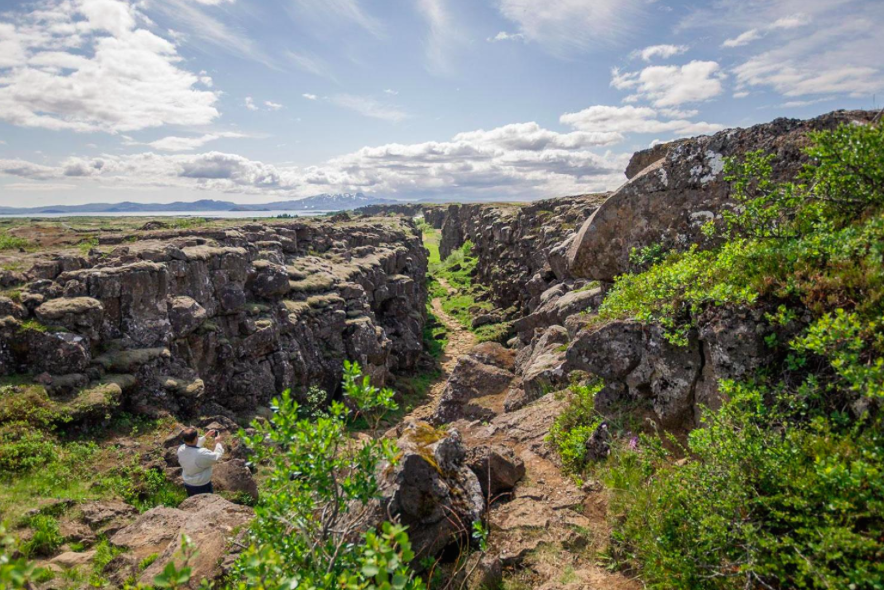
(216, 214)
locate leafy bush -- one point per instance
(15, 572)
(45, 538)
(10, 242)
(24, 447)
(784, 486)
(794, 507)
(800, 243)
(370, 402)
(317, 500)
(574, 426)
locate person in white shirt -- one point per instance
(196, 462)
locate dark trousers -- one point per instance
(194, 490)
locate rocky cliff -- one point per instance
(534, 257)
(521, 248)
(200, 318)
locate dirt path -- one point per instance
(460, 341)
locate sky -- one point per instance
(453, 100)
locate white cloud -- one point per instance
(369, 107)
(391, 92)
(88, 67)
(666, 86)
(743, 38)
(309, 96)
(563, 27)
(206, 32)
(791, 21)
(504, 36)
(662, 51)
(442, 36)
(532, 137)
(631, 119)
(37, 186)
(185, 144)
(307, 62)
(250, 104)
(807, 47)
(840, 58)
(803, 103)
(741, 94)
(273, 106)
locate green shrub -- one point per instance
(45, 538)
(799, 506)
(574, 426)
(784, 486)
(9, 242)
(24, 447)
(311, 507)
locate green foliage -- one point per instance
(574, 426)
(431, 237)
(643, 258)
(370, 402)
(15, 573)
(317, 498)
(499, 332)
(87, 245)
(10, 242)
(435, 334)
(45, 538)
(807, 243)
(795, 507)
(141, 487)
(24, 447)
(784, 486)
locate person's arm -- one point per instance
(201, 442)
(207, 458)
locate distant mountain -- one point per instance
(323, 202)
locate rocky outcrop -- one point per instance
(484, 372)
(675, 188)
(431, 489)
(641, 367)
(223, 317)
(517, 246)
(209, 521)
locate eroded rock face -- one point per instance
(639, 364)
(677, 187)
(208, 520)
(487, 370)
(431, 490)
(230, 317)
(515, 245)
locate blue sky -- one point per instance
(260, 100)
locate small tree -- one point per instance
(369, 401)
(318, 500)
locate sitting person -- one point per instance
(196, 462)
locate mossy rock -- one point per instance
(128, 361)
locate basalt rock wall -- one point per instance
(520, 249)
(220, 319)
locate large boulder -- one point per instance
(235, 477)
(78, 314)
(185, 315)
(208, 520)
(431, 489)
(484, 371)
(681, 186)
(543, 371)
(639, 364)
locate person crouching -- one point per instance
(196, 462)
